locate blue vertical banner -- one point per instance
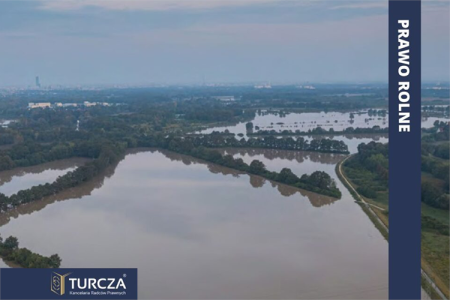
(404, 149)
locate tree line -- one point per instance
(318, 182)
(321, 131)
(9, 250)
(270, 142)
(105, 153)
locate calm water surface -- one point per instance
(308, 120)
(326, 120)
(17, 179)
(199, 231)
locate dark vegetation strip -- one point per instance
(219, 140)
(318, 182)
(32, 153)
(321, 131)
(10, 251)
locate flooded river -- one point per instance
(196, 230)
(308, 120)
(12, 181)
(325, 120)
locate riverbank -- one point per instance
(381, 222)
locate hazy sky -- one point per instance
(183, 41)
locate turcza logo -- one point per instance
(87, 286)
(58, 285)
(69, 283)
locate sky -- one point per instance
(142, 42)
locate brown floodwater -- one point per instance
(12, 181)
(197, 230)
(326, 120)
(310, 120)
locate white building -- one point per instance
(225, 98)
(89, 104)
(263, 86)
(39, 105)
(69, 105)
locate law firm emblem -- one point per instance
(58, 283)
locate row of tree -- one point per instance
(9, 250)
(270, 142)
(105, 153)
(32, 153)
(369, 170)
(321, 131)
(319, 182)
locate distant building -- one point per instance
(263, 86)
(307, 87)
(39, 105)
(66, 105)
(89, 104)
(69, 105)
(38, 83)
(224, 98)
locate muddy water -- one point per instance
(427, 122)
(198, 231)
(353, 140)
(309, 120)
(12, 181)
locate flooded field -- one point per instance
(309, 120)
(196, 230)
(353, 140)
(335, 120)
(12, 181)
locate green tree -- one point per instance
(257, 167)
(11, 243)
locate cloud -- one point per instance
(152, 5)
(363, 5)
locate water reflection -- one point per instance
(310, 120)
(198, 235)
(372, 136)
(307, 120)
(12, 181)
(86, 189)
(78, 192)
(316, 200)
(298, 156)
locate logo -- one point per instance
(58, 283)
(75, 283)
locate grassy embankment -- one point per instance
(435, 245)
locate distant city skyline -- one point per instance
(254, 83)
(139, 42)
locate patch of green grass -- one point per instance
(438, 214)
(435, 251)
(435, 243)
